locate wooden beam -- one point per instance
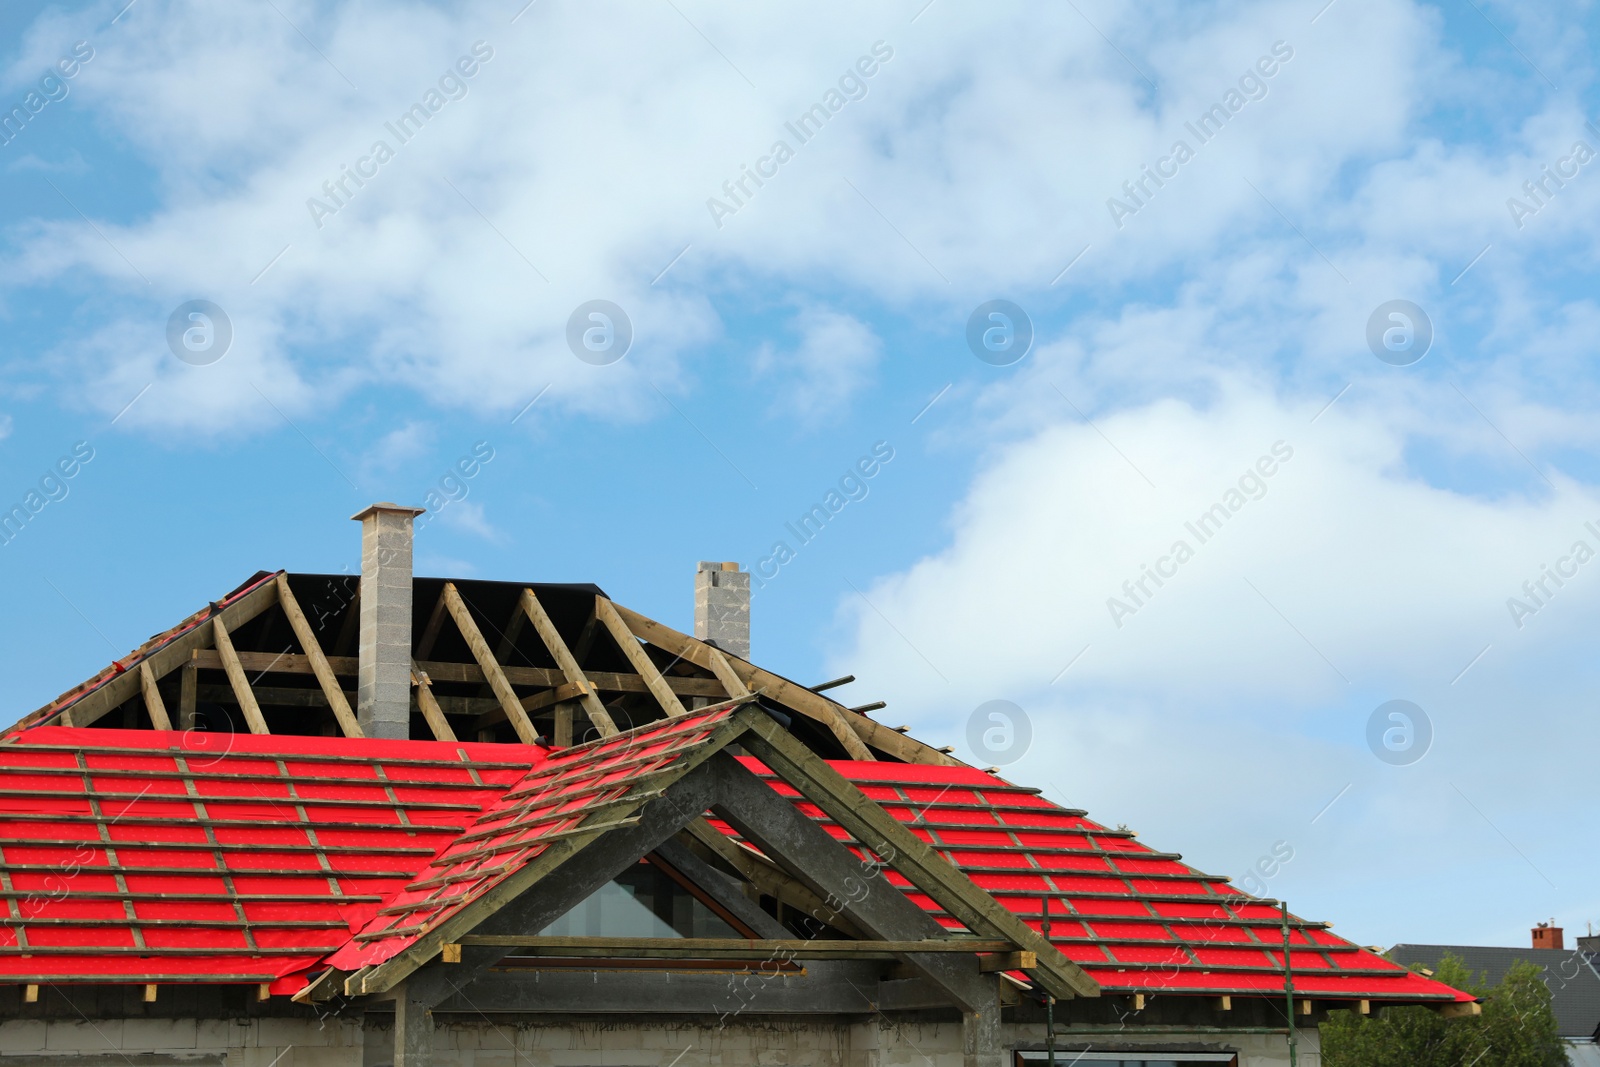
(430, 631)
(770, 879)
(150, 993)
(491, 669)
(121, 688)
(236, 678)
(595, 855)
(450, 953)
(565, 713)
(152, 699)
(718, 948)
(467, 673)
(1364, 1007)
(430, 707)
(30, 994)
(1461, 1011)
(732, 683)
(639, 657)
(907, 853)
(1002, 960)
(188, 679)
(319, 662)
(569, 666)
(1225, 1003)
(850, 730)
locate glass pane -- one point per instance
(642, 902)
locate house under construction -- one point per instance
(402, 820)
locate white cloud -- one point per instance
(834, 359)
(1232, 705)
(431, 276)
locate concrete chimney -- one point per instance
(383, 696)
(722, 607)
(1548, 935)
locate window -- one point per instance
(1130, 1058)
(643, 901)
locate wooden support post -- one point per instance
(1138, 1002)
(563, 728)
(1364, 1007)
(430, 705)
(569, 666)
(319, 662)
(150, 994)
(638, 657)
(491, 669)
(236, 679)
(1305, 1007)
(30, 994)
(188, 687)
(1224, 1003)
(152, 698)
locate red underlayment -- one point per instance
(137, 856)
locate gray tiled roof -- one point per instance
(1570, 974)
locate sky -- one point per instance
(1196, 380)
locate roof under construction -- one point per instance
(207, 810)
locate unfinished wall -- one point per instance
(334, 1042)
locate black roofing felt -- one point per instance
(1571, 975)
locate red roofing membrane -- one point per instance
(1136, 920)
(132, 855)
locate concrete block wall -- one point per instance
(340, 1042)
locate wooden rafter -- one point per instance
(236, 678)
(639, 657)
(319, 662)
(116, 690)
(152, 699)
(767, 877)
(491, 668)
(907, 853)
(430, 631)
(564, 659)
(848, 728)
(431, 711)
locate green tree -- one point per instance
(1517, 1028)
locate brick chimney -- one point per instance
(1548, 935)
(722, 607)
(383, 694)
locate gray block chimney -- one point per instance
(722, 607)
(383, 696)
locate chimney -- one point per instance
(383, 696)
(722, 607)
(1548, 935)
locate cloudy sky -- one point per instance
(1297, 316)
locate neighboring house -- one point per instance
(1570, 975)
(323, 822)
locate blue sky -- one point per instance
(382, 332)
